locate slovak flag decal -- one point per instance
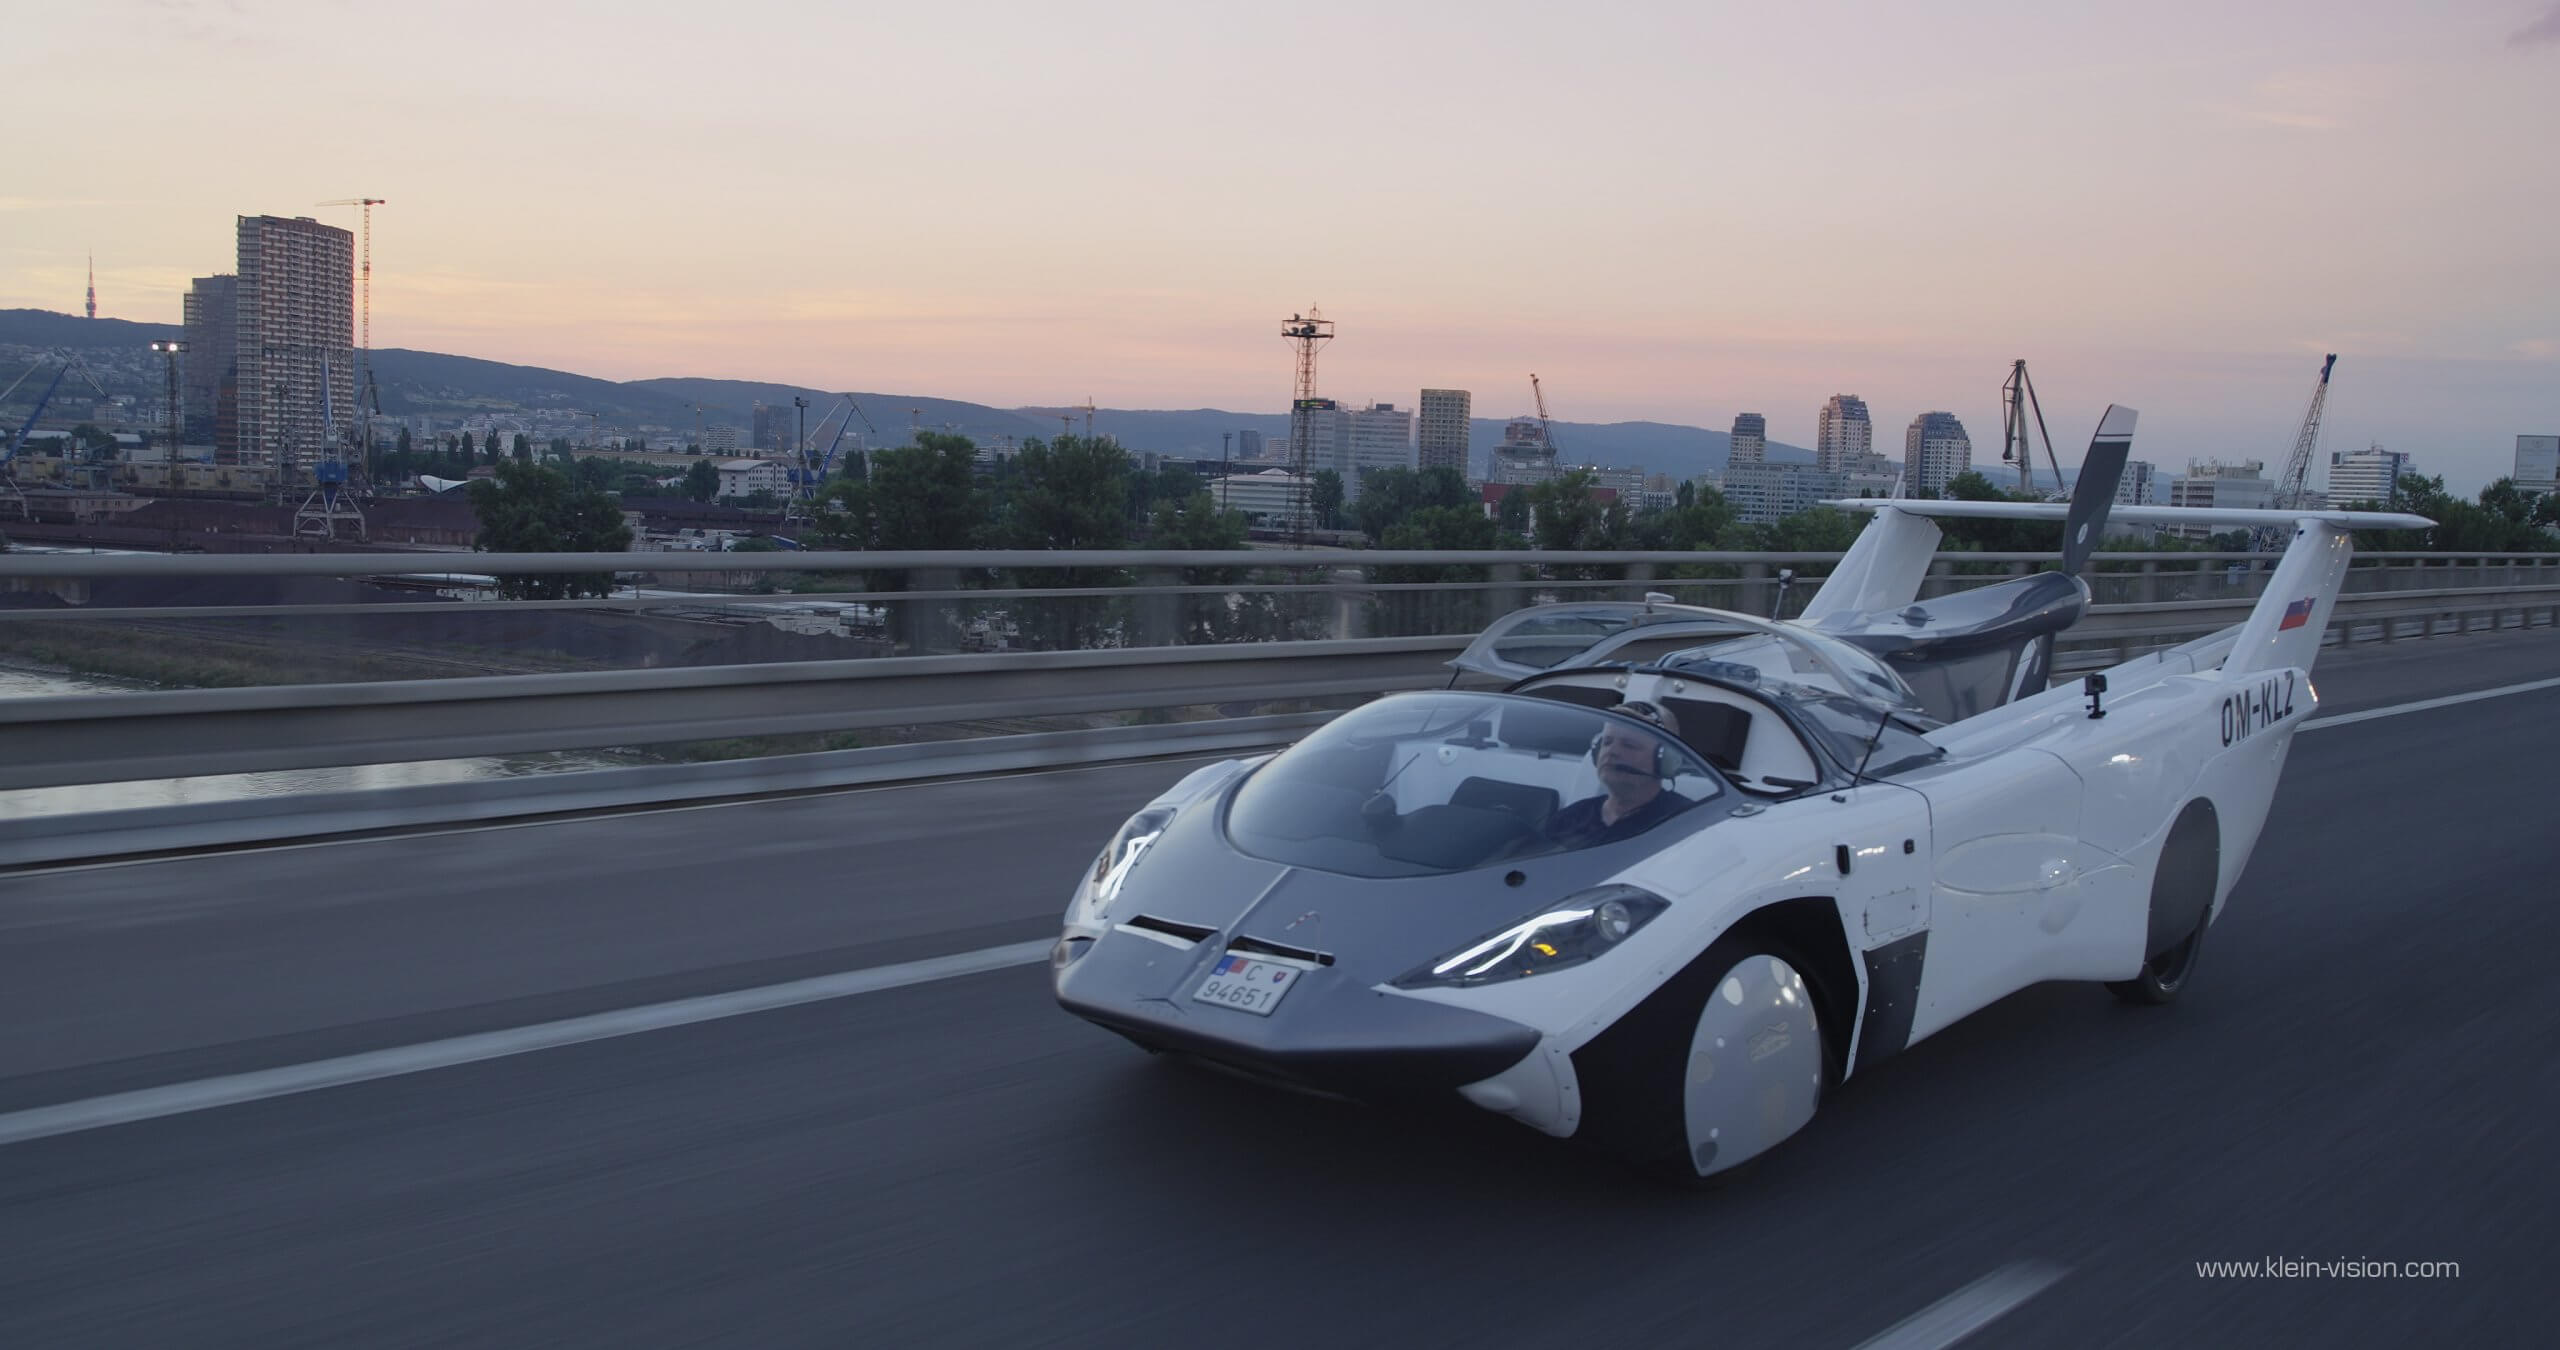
(2295, 615)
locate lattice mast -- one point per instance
(2296, 481)
(2017, 401)
(1307, 333)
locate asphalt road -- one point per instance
(2363, 1070)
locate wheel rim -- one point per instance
(2169, 969)
(1753, 1074)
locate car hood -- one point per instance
(1368, 930)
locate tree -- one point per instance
(522, 448)
(1072, 493)
(1324, 499)
(917, 497)
(467, 451)
(701, 481)
(1700, 518)
(401, 446)
(1388, 497)
(529, 508)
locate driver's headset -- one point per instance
(1659, 717)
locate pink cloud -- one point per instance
(2544, 29)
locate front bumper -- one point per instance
(1332, 1034)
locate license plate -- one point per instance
(1247, 984)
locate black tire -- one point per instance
(2165, 976)
(2183, 888)
(1632, 1075)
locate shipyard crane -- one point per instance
(2291, 488)
(9, 453)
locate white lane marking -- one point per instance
(233, 1089)
(205, 1094)
(1969, 1309)
(2422, 705)
(585, 815)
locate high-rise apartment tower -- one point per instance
(1842, 433)
(1750, 439)
(1934, 449)
(212, 314)
(1442, 436)
(295, 323)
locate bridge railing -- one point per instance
(1151, 655)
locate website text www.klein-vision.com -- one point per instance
(2340, 1268)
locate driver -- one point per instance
(1632, 765)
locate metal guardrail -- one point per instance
(118, 737)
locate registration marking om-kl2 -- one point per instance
(2256, 707)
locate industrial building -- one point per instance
(2212, 483)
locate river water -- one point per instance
(232, 786)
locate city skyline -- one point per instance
(2181, 228)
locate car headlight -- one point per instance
(1111, 869)
(1568, 934)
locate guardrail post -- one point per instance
(1638, 575)
(1350, 602)
(1755, 584)
(2151, 582)
(1506, 593)
(924, 626)
(1159, 616)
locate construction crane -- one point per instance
(364, 205)
(1538, 392)
(2295, 483)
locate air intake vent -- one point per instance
(1188, 932)
(1257, 945)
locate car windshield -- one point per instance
(1799, 663)
(1423, 784)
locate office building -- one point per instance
(1841, 433)
(1935, 449)
(1379, 436)
(1871, 475)
(2212, 483)
(1523, 456)
(1248, 445)
(1766, 493)
(1269, 498)
(746, 477)
(295, 334)
(210, 390)
(2134, 489)
(1750, 439)
(1441, 437)
(2365, 475)
(2538, 463)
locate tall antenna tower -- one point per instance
(1307, 332)
(93, 285)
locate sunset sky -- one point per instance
(1674, 211)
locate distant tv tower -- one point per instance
(93, 285)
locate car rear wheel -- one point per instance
(2164, 976)
(1722, 1063)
